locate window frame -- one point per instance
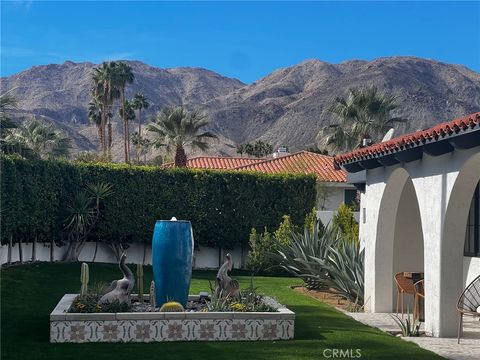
(476, 226)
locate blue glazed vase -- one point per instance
(172, 254)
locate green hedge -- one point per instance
(223, 206)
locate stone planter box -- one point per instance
(161, 326)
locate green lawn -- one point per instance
(30, 292)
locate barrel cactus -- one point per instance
(172, 306)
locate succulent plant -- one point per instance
(84, 277)
(140, 282)
(172, 306)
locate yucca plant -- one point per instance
(83, 212)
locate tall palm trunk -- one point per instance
(139, 133)
(110, 136)
(125, 125)
(101, 137)
(180, 157)
(103, 127)
(128, 140)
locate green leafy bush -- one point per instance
(284, 232)
(222, 205)
(346, 223)
(260, 245)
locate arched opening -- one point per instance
(451, 281)
(399, 242)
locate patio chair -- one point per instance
(419, 287)
(404, 286)
(468, 303)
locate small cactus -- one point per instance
(140, 282)
(152, 296)
(172, 306)
(84, 277)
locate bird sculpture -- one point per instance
(225, 285)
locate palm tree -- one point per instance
(363, 113)
(261, 149)
(142, 145)
(140, 102)
(241, 149)
(105, 93)
(128, 114)
(8, 104)
(42, 139)
(9, 144)
(122, 76)
(176, 128)
(95, 117)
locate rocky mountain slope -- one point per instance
(284, 108)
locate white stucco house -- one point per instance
(420, 211)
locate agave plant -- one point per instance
(296, 256)
(407, 326)
(324, 256)
(345, 267)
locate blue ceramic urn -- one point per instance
(172, 255)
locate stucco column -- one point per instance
(429, 190)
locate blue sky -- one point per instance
(242, 40)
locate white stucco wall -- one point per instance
(443, 218)
(335, 196)
(204, 257)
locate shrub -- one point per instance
(284, 232)
(260, 245)
(222, 205)
(346, 223)
(311, 221)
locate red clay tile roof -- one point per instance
(303, 162)
(217, 162)
(394, 145)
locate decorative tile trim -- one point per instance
(157, 326)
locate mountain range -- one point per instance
(285, 108)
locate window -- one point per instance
(472, 233)
(350, 198)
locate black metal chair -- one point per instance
(468, 303)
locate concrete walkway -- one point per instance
(469, 348)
